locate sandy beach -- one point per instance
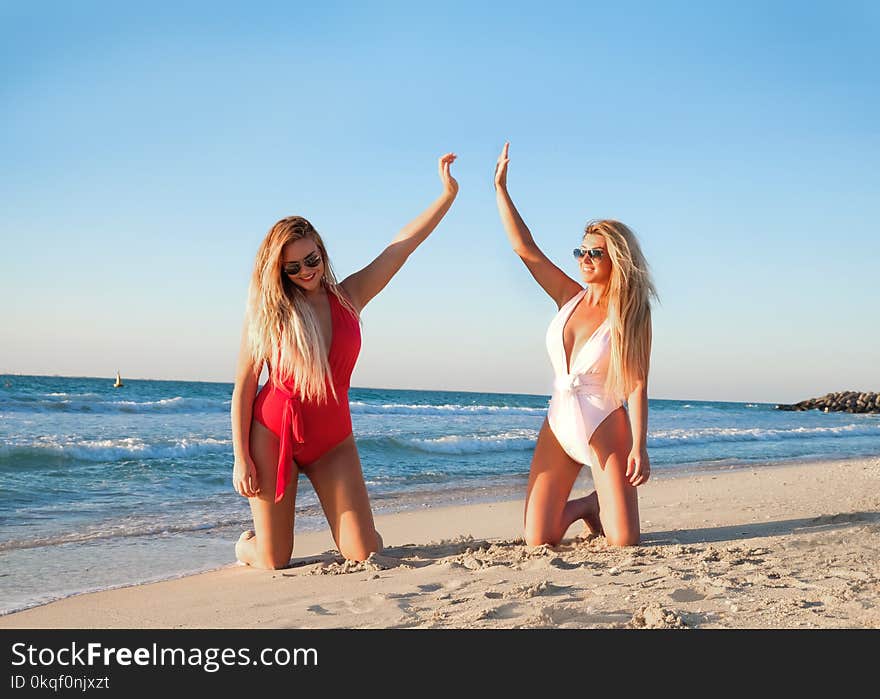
(786, 546)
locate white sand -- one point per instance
(782, 546)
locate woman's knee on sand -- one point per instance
(538, 533)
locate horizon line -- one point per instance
(377, 388)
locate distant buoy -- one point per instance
(118, 383)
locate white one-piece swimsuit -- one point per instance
(579, 402)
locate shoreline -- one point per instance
(753, 522)
(310, 519)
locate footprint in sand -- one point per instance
(503, 611)
(562, 564)
(563, 616)
(318, 609)
(686, 594)
(364, 605)
(383, 610)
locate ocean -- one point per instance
(103, 487)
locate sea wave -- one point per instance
(708, 435)
(80, 404)
(101, 450)
(150, 526)
(449, 409)
(119, 530)
(513, 440)
(424, 476)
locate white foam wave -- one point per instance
(449, 409)
(65, 403)
(112, 449)
(473, 444)
(706, 435)
(122, 530)
(427, 475)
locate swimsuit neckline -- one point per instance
(333, 332)
(568, 360)
(332, 324)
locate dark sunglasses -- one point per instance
(293, 268)
(592, 253)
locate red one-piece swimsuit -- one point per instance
(307, 429)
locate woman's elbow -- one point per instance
(527, 253)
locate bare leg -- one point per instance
(618, 499)
(339, 483)
(270, 544)
(548, 514)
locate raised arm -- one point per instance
(365, 284)
(553, 280)
(247, 376)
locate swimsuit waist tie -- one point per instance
(566, 412)
(291, 433)
(580, 383)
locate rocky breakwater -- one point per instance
(842, 402)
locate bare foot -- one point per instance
(592, 521)
(593, 525)
(245, 535)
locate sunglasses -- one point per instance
(592, 253)
(293, 268)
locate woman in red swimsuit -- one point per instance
(305, 327)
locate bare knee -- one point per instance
(538, 535)
(357, 553)
(622, 537)
(274, 559)
(277, 563)
(360, 550)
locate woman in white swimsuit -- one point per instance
(600, 346)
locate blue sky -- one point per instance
(148, 150)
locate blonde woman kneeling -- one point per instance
(305, 326)
(600, 346)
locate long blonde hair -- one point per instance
(283, 328)
(629, 307)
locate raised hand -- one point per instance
(364, 284)
(501, 168)
(450, 185)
